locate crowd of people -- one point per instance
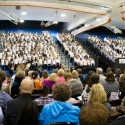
(58, 96)
(76, 52)
(111, 48)
(33, 48)
(59, 93)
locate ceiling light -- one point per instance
(98, 19)
(87, 25)
(55, 22)
(63, 15)
(24, 13)
(21, 21)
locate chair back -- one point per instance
(116, 102)
(37, 91)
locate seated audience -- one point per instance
(1, 116)
(27, 115)
(117, 74)
(55, 71)
(122, 120)
(26, 72)
(4, 97)
(30, 74)
(60, 76)
(94, 114)
(76, 85)
(60, 111)
(51, 80)
(98, 94)
(45, 76)
(67, 71)
(87, 77)
(101, 76)
(82, 78)
(44, 99)
(93, 79)
(15, 86)
(15, 106)
(5, 85)
(36, 82)
(75, 75)
(110, 84)
(122, 86)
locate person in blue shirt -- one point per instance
(59, 111)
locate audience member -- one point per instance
(82, 78)
(15, 106)
(110, 84)
(98, 94)
(93, 79)
(76, 85)
(30, 74)
(27, 115)
(101, 76)
(122, 120)
(36, 82)
(26, 72)
(44, 99)
(94, 114)
(15, 86)
(67, 71)
(60, 76)
(60, 111)
(55, 71)
(5, 85)
(51, 80)
(4, 97)
(45, 76)
(122, 86)
(117, 73)
(87, 78)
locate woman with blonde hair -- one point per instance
(98, 94)
(60, 77)
(51, 80)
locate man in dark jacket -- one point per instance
(15, 106)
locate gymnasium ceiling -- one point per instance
(50, 10)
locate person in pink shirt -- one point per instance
(60, 77)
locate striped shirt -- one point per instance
(44, 100)
(111, 86)
(4, 98)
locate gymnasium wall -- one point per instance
(30, 26)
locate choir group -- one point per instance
(30, 47)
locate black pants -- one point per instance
(49, 66)
(54, 66)
(45, 66)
